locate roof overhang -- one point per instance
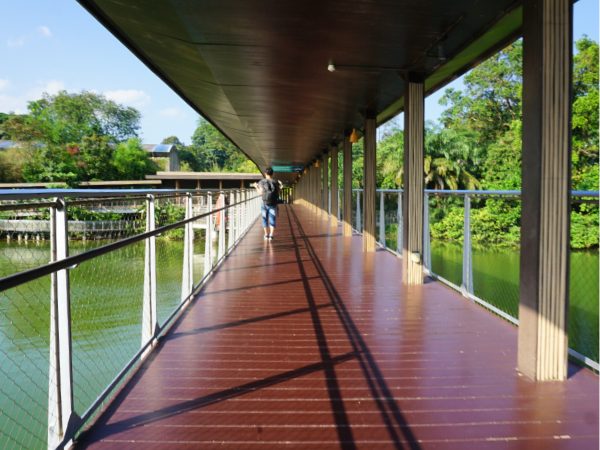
(257, 69)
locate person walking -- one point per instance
(269, 189)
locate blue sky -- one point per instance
(50, 45)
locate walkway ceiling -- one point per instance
(257, 69)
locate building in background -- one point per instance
(165, 155)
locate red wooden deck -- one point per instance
(307, 343)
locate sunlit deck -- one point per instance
(307, 342)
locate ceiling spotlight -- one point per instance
(441, 55)
(331, 66)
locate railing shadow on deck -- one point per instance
(391, 414)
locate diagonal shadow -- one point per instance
(343, 428)
(381, 393)
(257, 266)
(238, 323)
(205, 293)
(105, 430)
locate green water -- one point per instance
(496, 280)
(106, 311)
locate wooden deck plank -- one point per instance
(306, 342)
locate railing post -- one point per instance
(208, 241)
(426, 233)
(338, 215)
(61, 417)
(149, 318)
(243, 211)
(221, 251)
(382, 218)
(187, 279)
(467, 275)
(399, 235)
(231, 218)
(358, 212)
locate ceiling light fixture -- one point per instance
(331, 67)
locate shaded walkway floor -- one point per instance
(306, 342)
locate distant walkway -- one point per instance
(307, 343)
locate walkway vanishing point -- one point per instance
(306, 342)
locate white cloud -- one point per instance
(172, 112)
(18, 103)
(53, 87)
(130, 97)
(16, 42)
(45, 31)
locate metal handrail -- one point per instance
(69, 262)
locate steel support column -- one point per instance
(544, 286)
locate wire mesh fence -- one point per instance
(24, 330)
(106, 312)
(108, 294)
(492, 256)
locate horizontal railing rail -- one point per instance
(226, 216)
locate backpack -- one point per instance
(270, 194)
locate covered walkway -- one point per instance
(309, 342)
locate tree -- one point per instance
(451, 158)
(94, 158)
(174, 140)
(211, 151)
(492, 97)
(66, 118)
(51, 163)
(585, 115)
(131, 162)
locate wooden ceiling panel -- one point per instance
(257, 69)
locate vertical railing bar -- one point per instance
(382, 219)
(221, 250)
(426, 233)
(358, 212)
(467, 275)
(149, 318)
(399, 231)
(187, 279)
(208, 236)
(230, 219)
(62, 420)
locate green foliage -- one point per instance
(585, 115)
(390, 151)
(131, 162)
(492, 97)
(51, 163)
(66, 118)
(210, 151)
(503, 163)
(584, 226)
(11, 164)
(94, 158)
